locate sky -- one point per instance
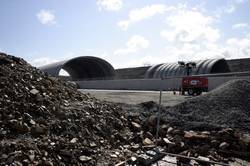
(126, 33)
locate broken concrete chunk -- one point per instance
(85, 158)
(147, 141)
(34, 91)
(74, 140)
(136, 126)
(167, 141)
(224, 145)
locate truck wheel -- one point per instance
(198, 92)
(190, 91)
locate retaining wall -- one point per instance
(149, 84)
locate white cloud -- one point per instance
(191, 35)
(46, 17)
(237, 48)
(134, 44)
(111, 5)
(42, 61)
(137, 15)
(240, 26)
(190, 26)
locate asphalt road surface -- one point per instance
(136, 97)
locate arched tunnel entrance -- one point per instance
(82, 68)
(220, 66)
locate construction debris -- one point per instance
(226, 106)
(46, 121)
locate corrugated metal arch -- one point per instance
(158, 71)
(167, 70)
(150, 72)
(202, 67)
(164, 69)
(207, 65)
(80, 68)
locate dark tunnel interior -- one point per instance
(89, 68)
(220, 66)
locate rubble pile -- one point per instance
(226, 106)
(45, 121)
(215, 126)
(221, 145)
(194, 131)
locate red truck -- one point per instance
(194, 85)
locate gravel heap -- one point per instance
(47, 121)
(226, 106)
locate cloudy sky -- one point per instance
(126, 33)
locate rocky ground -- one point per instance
(45, 121)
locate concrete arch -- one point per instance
(82, 68)
(208, 66)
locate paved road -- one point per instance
(136, 97)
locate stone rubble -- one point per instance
(46, 121)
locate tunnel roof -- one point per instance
(208, 66)
(82, 68)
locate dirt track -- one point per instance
(136, 97)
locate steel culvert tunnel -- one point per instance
(82, 68)
(221, 66)
(209, 66)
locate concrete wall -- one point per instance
(149, 84)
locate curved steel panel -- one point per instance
(53, 69)
(199, 69)
(164, 69)
(194, 71)
(170, 69)
(206, 65)
(157, 71)
(161, 71)
(173, 70)
(150, 72)
(202, 67)
(85, 67)
(176, 69)
(210, 65)
(179, 71)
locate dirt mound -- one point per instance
(47, 121)
(226, 106)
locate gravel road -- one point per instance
(136, 97)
